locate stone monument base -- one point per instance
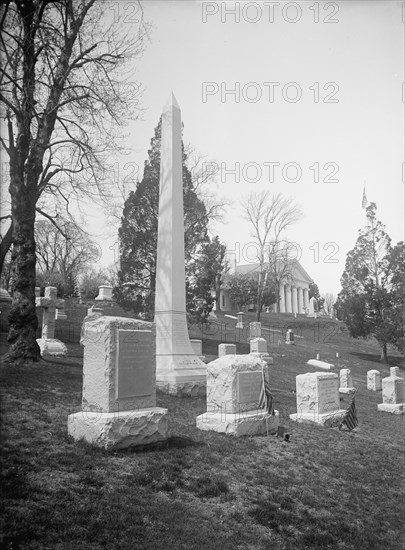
(175, 378)
(242, 423)
(51, 346)
(394, 408)
(119, 430)
(265, 356)
(347, 390)
(326, 419)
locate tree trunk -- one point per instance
(384, 355)
(22, 317)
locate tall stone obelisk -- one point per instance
(178, 369)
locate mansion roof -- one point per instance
(298, 273)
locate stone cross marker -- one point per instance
(392, 393)
(50, 303)
(178, 369)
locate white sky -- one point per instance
(362, 133)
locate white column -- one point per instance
(288, 299)
(282, 299)
(306, 297)
(300, 300)
(294, 300)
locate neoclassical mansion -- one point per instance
(294, 294)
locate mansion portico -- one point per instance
(293, 294)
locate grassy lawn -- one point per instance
(324, 489)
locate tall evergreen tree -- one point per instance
(138, 233)
(314, 293)
(371, 301)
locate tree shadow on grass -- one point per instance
(375, 358)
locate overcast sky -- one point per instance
(320, 85)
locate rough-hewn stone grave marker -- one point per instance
(374, 380)
(119, 385)
(234, 384)
(318, 398)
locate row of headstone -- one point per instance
(392, 388)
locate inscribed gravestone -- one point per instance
(119, 390)
(392, 393)
(234, 385)
(318, 398)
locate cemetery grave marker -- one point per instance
(318, 399)
(374, 380)
(234, 384)
(392, 393)
(48, 344)
(179, 370)
(119, 385)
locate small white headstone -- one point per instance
(374, 380)
(241, 320)
(119, 385)
(392, 393)
(105, 293)
(226, 349)
(346, 383)
(289, 337)
(318, 398)
(258, 345)
(234, 384)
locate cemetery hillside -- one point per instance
(324, 488)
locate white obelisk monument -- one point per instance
(178, 369)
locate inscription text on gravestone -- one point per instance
(134, 365)
(328, 395)
(248, 386)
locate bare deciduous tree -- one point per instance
(68, 254)
(329, 302)
(65, 88)
(270, 216)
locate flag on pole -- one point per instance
(350, 418)
(266, 398)
(364, 201)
